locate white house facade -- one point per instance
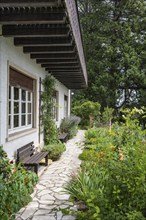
(36, 38)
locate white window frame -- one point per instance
(11, 114)
(56, 105)
(65, 106)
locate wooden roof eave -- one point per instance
(45, 33)
(30, 3)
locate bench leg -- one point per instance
(36, 167)
(46, 160)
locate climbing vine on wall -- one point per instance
(48, 124)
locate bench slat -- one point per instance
(26, 146)
(36, 158)
(27, 153)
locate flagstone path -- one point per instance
(49, 198)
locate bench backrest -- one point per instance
(25, 152)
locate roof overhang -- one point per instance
(49, 30)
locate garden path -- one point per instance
(48, 199)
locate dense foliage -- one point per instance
(114, 34)
(84, 110)
(48, 124)
(70, 125)
(54, 150)
(16, 184)
(91, 115)
(112, 180)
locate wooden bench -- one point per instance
(63, 137)
(28, 158)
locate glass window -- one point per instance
(20, 108)
(16, 121)
(9, 122)
(65, 106)
(9, 107)
(55, 105)
(23, 120)
(23, 109)
(29, 119)
(29, 96)
(9, 92)
(16, 93)
(23, 95)
(16, 107)
(29, 107)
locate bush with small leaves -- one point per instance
(111, 185)
(70, 125)
(54, 150)
(16, 184)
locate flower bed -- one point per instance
(112, 180)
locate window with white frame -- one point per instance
(55, 105)
(20, 102)
(65, 106)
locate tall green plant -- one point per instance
(50, 129)
(16, 184)
(114, 186)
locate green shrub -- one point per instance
(16, 184)
(88, 155)
(107, 116)
(113, 188)
(84, 110)
(70, 125)
(91, 133)
(54, 150)
(99, 137)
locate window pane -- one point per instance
(9, 107)
(29, 119)
(23, 120)
(9, 122)
(23, 108)
(9, 92)
(29, 107)
(29, 96)
(16, 93)
(23, 95)
(16, 107)
(16, 121)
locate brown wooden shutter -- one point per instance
(18, 79)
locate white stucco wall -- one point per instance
(14, 56)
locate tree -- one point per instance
(114, 34)
(88, 111)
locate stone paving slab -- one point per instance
(49, 197)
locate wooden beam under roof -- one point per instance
(64, 65)
(67, 75)
(65, 69)
(65, 72)
(72, 85)
(48, 49)
(29, 3)
(43, 41)
(49, 56)
(32, 16)
(57, 61)
(35, 30)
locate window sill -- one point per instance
(20, 134)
